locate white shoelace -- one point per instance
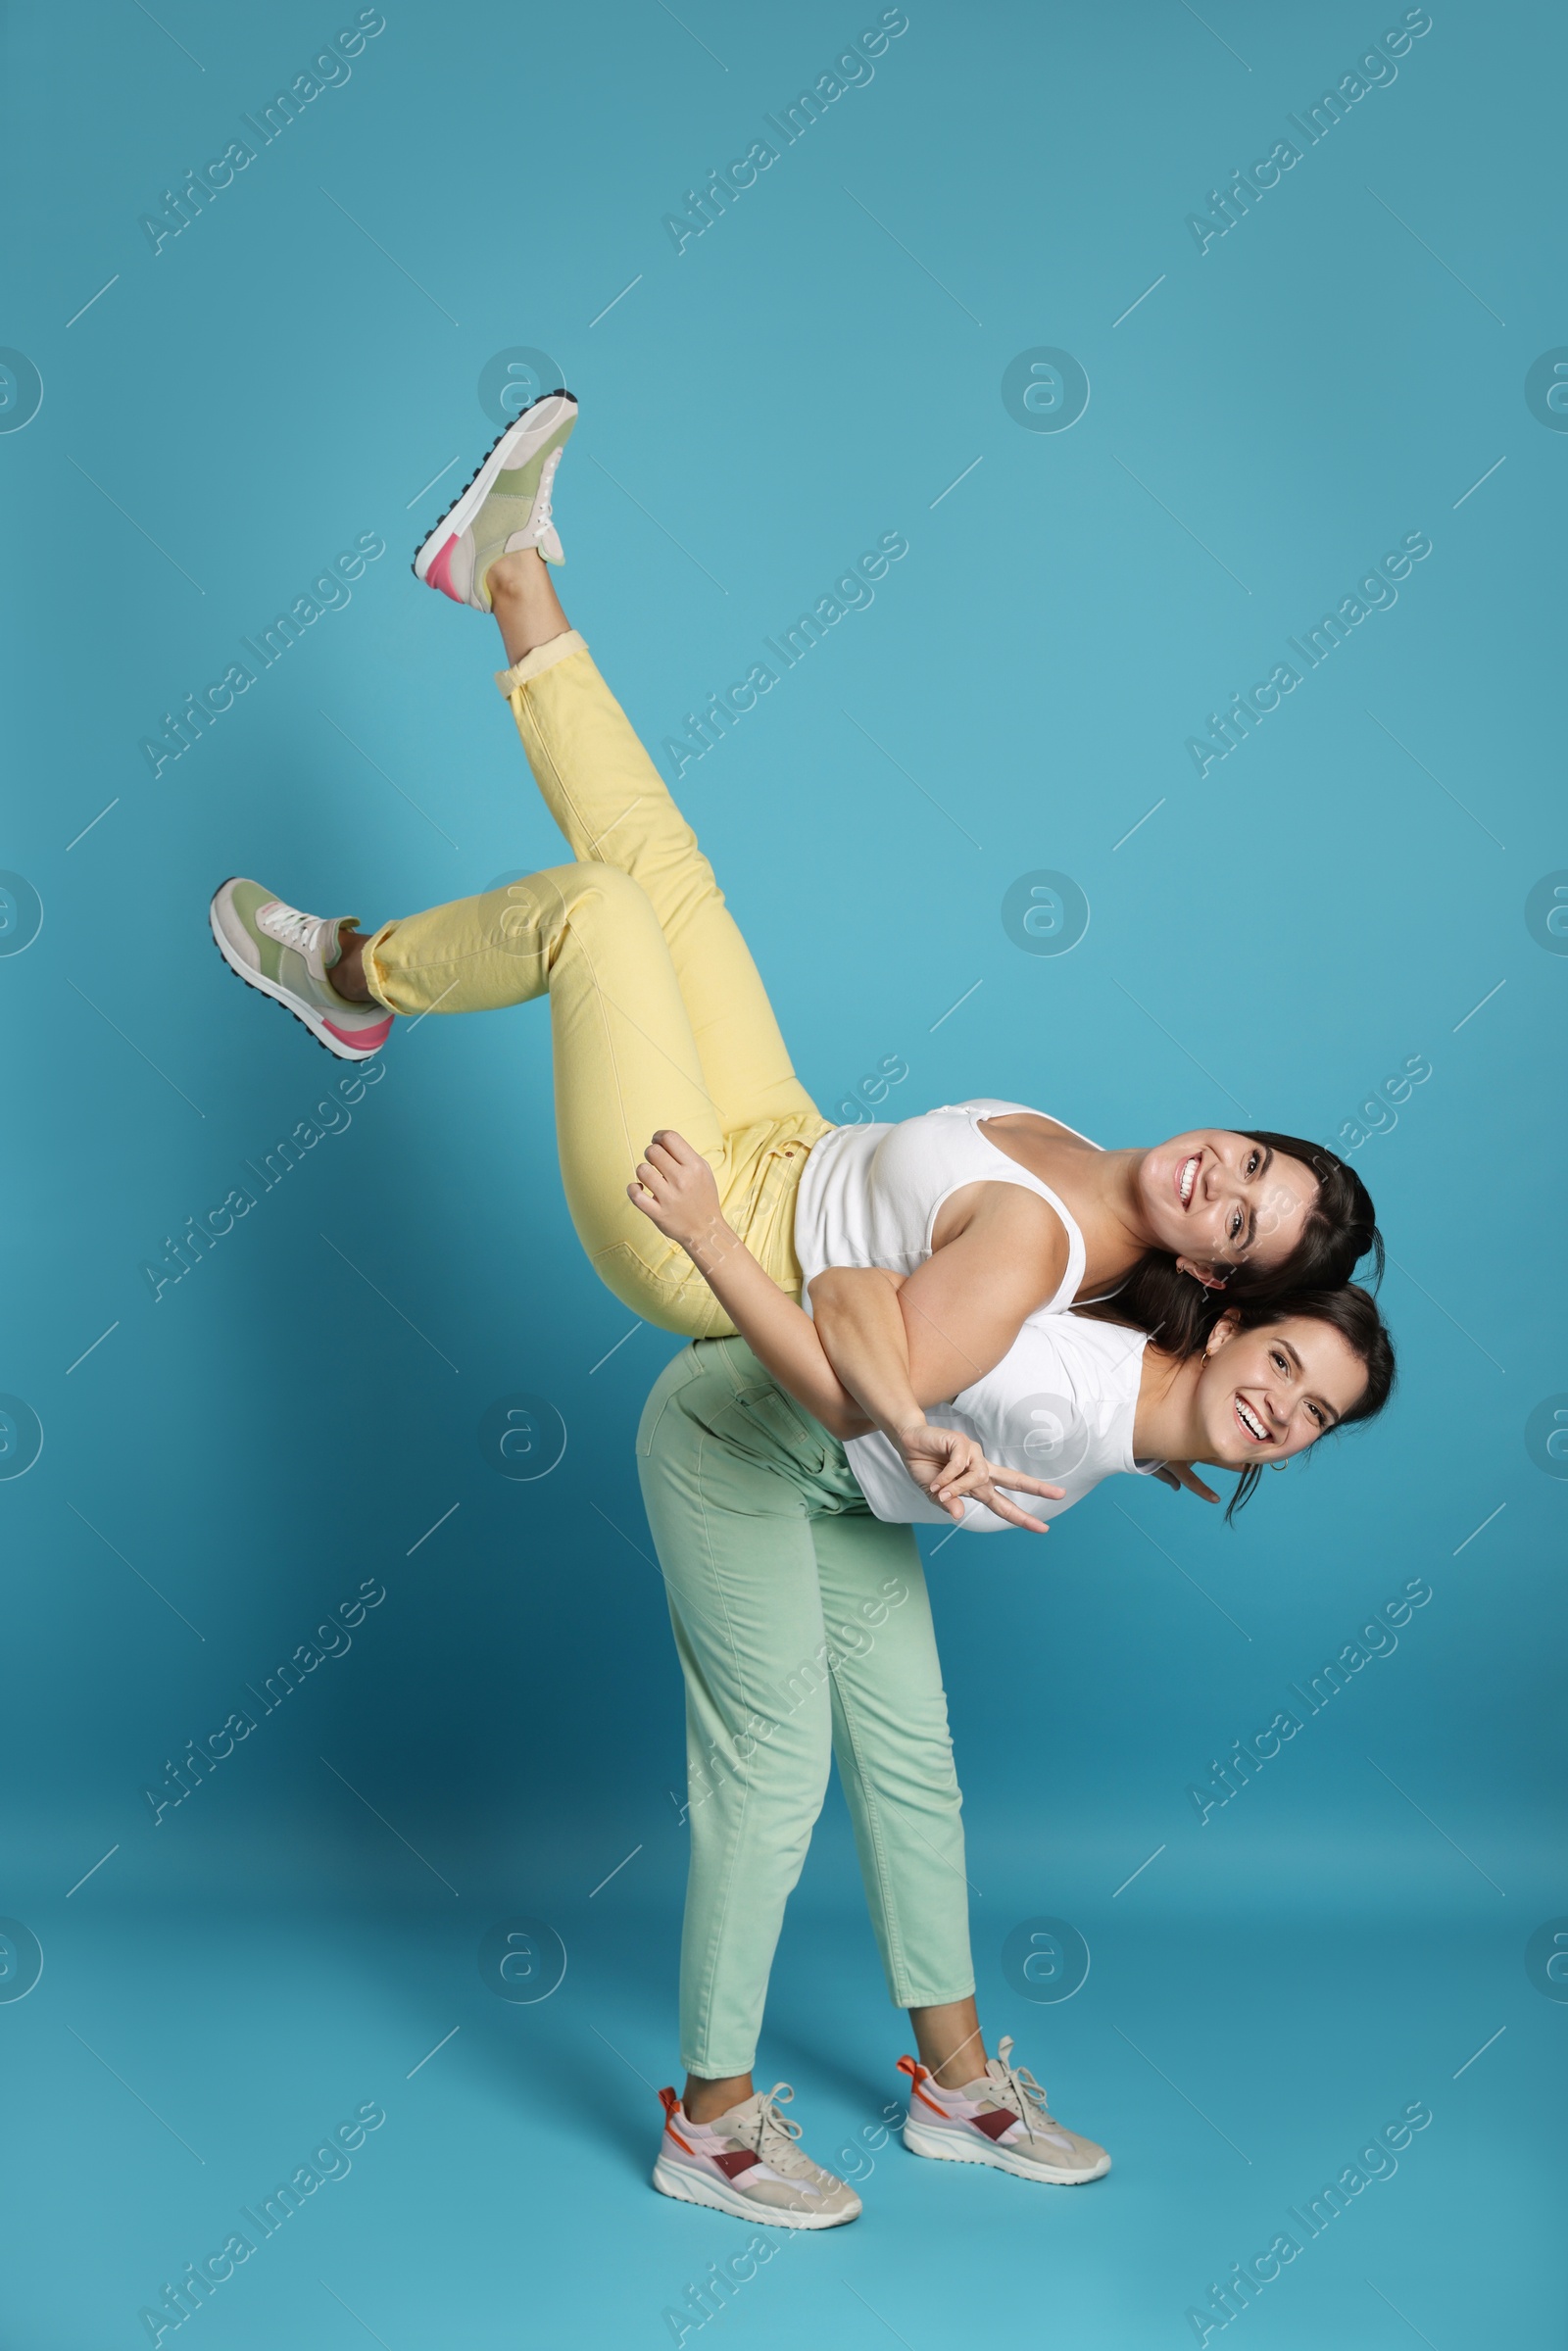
(773, 2135)
(1015, 2087)
(543, 511)
(289, 926)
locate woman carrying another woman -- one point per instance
(783, 1518)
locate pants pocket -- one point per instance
(777, 1426)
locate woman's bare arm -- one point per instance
(957, 1315)
(676, 1189)
(868, 1351)
(862, 1335)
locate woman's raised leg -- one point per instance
(660, 1017)
(625, 1058)
(613, 806)
(616, 811)
(490, 552)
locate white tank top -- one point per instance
(872, 1195)
(1061, 1404)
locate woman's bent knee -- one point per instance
(662, 1286)
(614, 890)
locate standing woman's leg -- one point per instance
(726, 1461)
(895, 1758)
(735, 1546)
(890, 1737)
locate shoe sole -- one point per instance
(282, 995)
(458, 517)
(688, 2187)
(945, 2147)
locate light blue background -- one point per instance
(1276, 414)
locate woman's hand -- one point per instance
(949, 1466)
(676, 1189)
(1181, 1474)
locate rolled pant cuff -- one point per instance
(543, 656)
(908, 1997)
(368, 972)
(708, 2068)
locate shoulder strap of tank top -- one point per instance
(1009, 1171)
(982, 1107)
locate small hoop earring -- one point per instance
(1279, 1465)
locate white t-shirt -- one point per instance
(1060, 1405)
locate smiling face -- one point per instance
(1266, 1393)
(1217, 1200)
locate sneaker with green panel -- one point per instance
(288, 956)
(507, 506)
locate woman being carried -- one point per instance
(659, 1020)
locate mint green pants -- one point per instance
(805, 1631)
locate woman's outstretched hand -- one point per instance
(949, 1467)
(676, 1189)
(1181, 1474)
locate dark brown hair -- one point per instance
(1340, 1229)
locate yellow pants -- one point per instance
(658, 1013)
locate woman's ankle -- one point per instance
(705, 2099)
(346, 977)
(966, 2065)
(511, 575)
(523, 600)
(949, 2037)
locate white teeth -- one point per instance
(1189, 1179)
(1251, 1422)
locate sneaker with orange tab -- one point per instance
(749, 2162)
(1001, 2120)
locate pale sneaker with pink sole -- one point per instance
(505, 508)
(289, 956)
